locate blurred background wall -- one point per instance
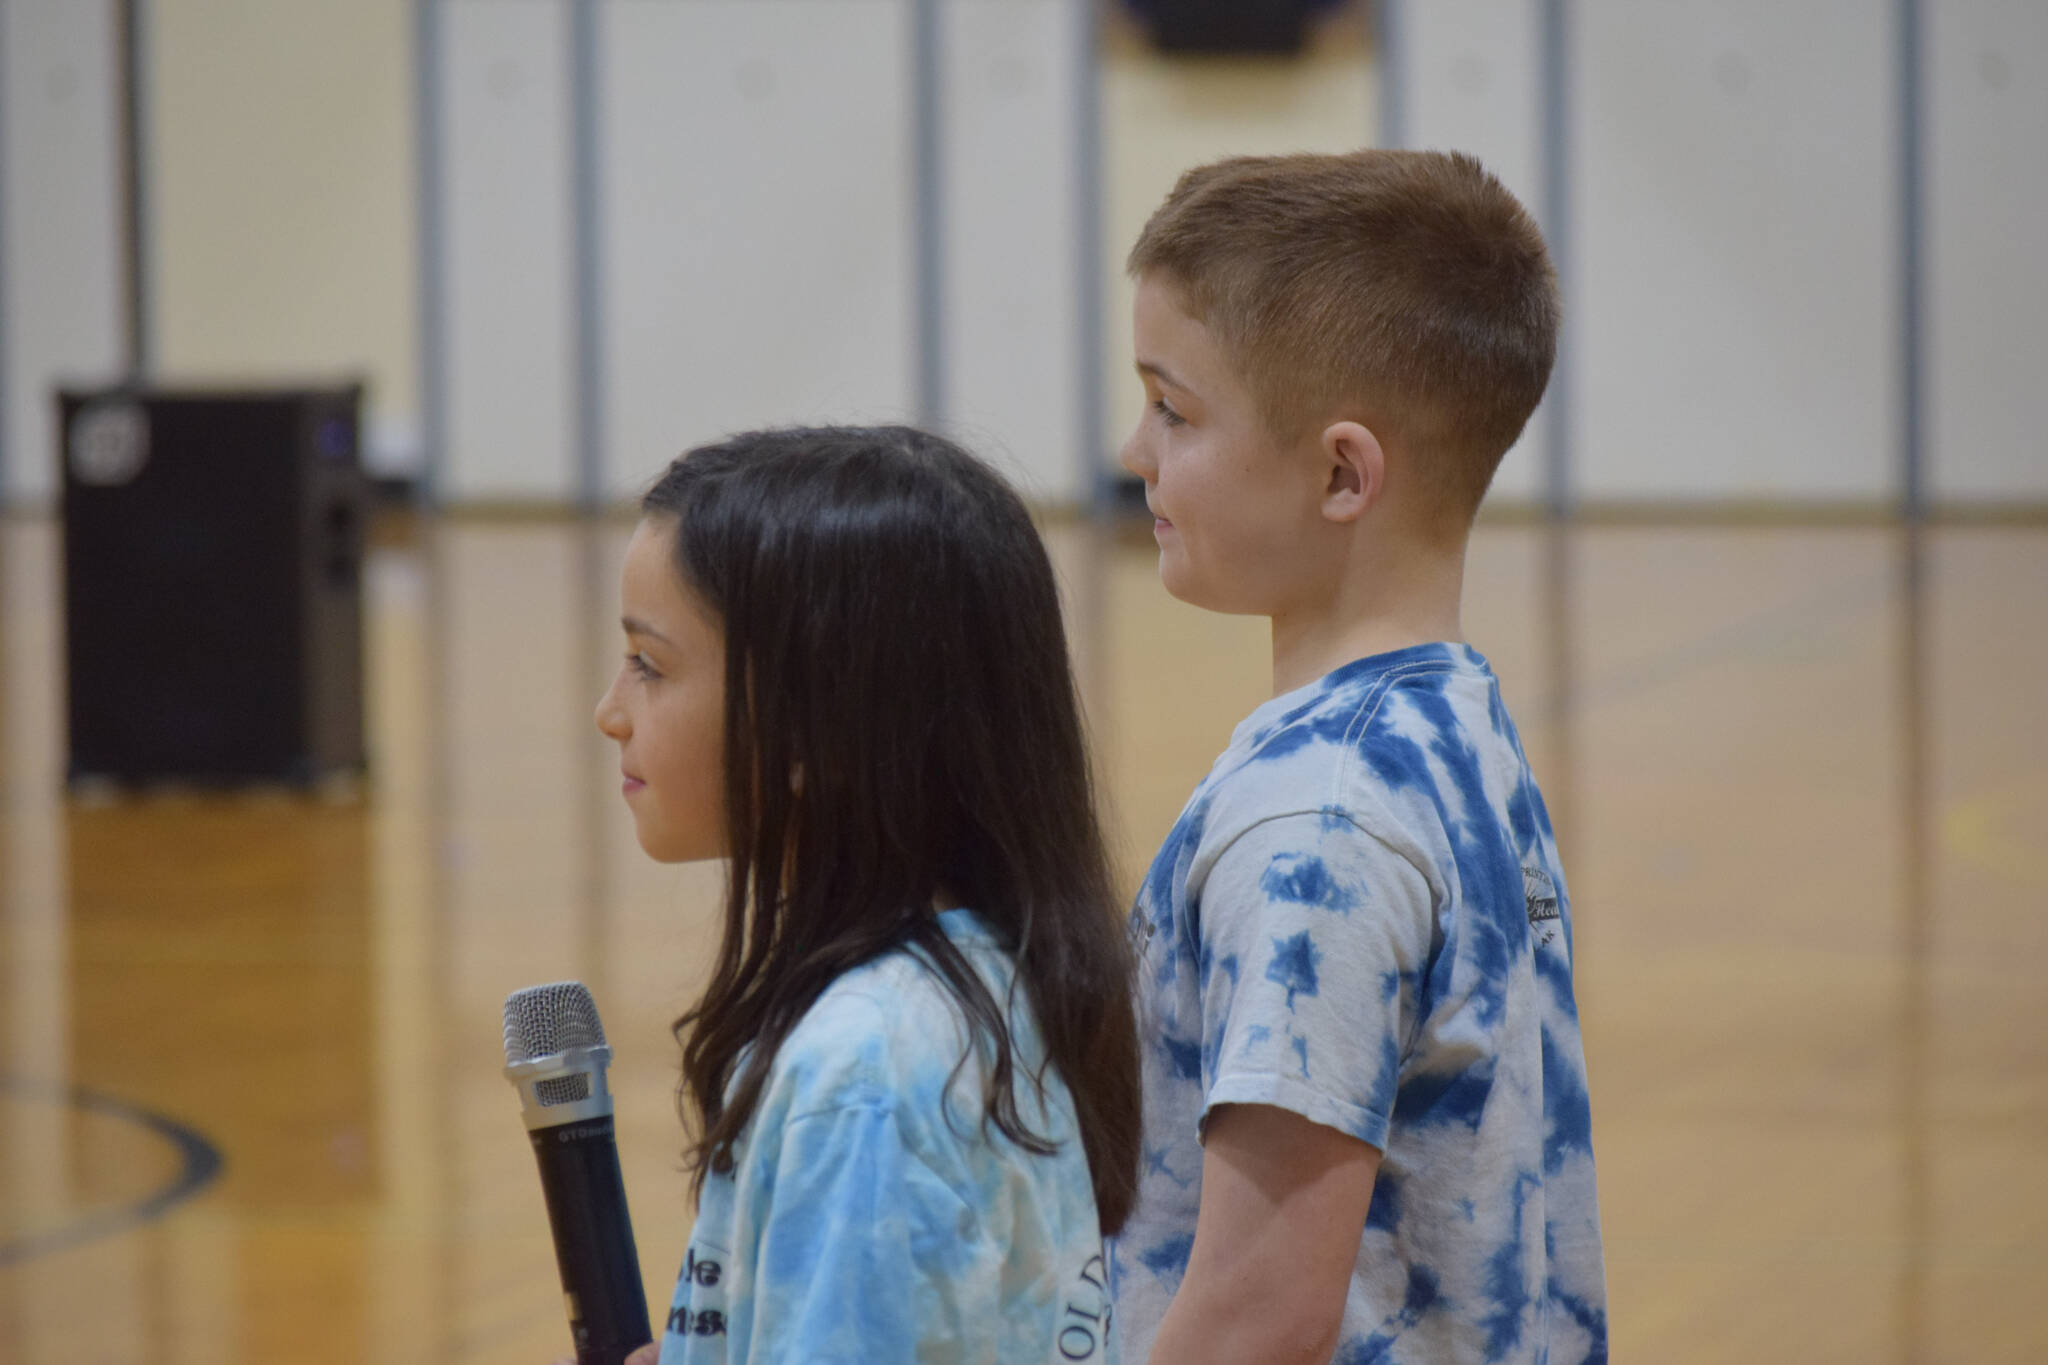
(564, 239)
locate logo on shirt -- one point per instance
(1085, 1325)
(695, 1271)
(1540, 894)
(684, 1323)
(683, 1319)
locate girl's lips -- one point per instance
(632, 784)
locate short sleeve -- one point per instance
(861, 1248)
(1312, 937)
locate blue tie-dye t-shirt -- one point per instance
(1360, 918)
(860, 1223)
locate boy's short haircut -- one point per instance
(1410, 288)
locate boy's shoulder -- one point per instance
(1341, 745)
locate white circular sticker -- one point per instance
(109, 444)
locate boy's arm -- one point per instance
(1284, 1201)
(1314, 934)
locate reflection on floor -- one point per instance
(1800, 776)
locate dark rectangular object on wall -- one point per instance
(1265, 27)
(213, 552)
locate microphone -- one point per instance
(555, 1055)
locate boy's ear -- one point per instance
(1358, 471)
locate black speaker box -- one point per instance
(213, 552)
(1249, 27)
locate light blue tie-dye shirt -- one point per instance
(862, 1224)
(1360, 918)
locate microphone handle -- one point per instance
(586, 1198)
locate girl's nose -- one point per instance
(611, 717)
(1136, 458)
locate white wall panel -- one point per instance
(508, 268)
(1987, 199)
(756, 183)
(1009, 101)
(281, 223)
(62, 233)
(1472, 85)
(1735, 215)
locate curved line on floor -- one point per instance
(199, 1165)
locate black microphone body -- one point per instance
(594, 1250)
(556, 1057)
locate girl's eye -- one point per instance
(641, 668)
(1167, 414)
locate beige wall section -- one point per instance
(282, 203)
(1161, 115)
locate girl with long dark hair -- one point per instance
(913, 1078)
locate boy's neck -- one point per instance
(1408, 599)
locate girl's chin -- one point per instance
(675, 851)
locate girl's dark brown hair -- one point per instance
(900, 723)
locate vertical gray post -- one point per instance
(1390, 44)
(1917, 1010)
(6, 312)
(132, 27)
(432, 229)
(1089, 353)
(585, 148)
(1556, 87)
(1912, 266)
(929, 219)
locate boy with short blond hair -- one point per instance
(1367, 1130)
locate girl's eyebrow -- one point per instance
(635, 626)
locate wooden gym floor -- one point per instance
(1800, 776)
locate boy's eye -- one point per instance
(1167, 414)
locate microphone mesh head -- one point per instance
(552, 1018)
